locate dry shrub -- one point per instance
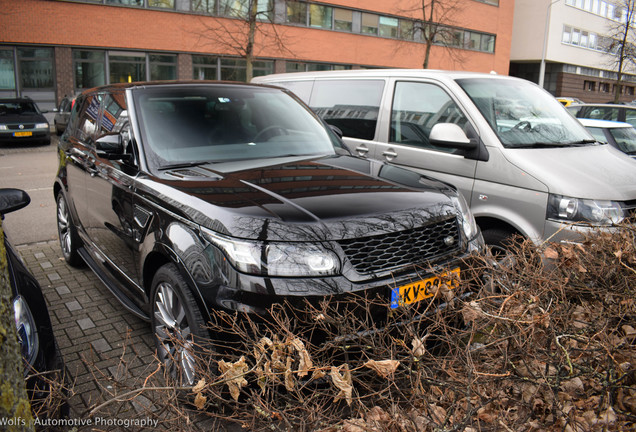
(543, 340)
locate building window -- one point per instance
(343, 19)
(313, 67)
(473, 40)
(369, 24)
(629, 91)
(168, 4)
(589, 85)
(204, 67)
(240, 8)
(89, 67)
(297, 12)
(604, 87)
(126, 2)
(320, 16)
(7, 70)
(163, 67)
(490, 2)
(36, 68)
(488, 43)
(407, 30)
(388, 27)
(126, 67)
(234, 69)
(205, 6)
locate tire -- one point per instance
(500, 241)
(67, 233)
(177, 324)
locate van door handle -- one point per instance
(362, 150)
(389, 154)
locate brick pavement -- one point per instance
(106, 348)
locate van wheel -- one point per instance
(67, 233)
(177, 324)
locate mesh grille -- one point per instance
(393, 250)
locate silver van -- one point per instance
(525, 165)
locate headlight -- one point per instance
(568, 209)
(27, 331)
(469, 226)
(276, 258)
(3, 127)
(41, 125)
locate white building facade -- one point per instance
(570, 38)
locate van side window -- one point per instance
(352, 106)
(417, 107)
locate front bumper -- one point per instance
(36, 135)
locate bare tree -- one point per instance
(14, 407)
(620, 43)
(436, 27)
(248, 32)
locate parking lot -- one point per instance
(107, 350)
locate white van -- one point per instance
(525, 165)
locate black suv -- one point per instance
(21, 121)
(186, 198)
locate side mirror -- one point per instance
(12, 200)
(110, 147)
(450, 135)
(336, 130)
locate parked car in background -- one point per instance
(509, 146)
(613, 112)
(21, 121)
(617, 134)
(188, 198)
(62, 114)
(567, 101)
(42, 359)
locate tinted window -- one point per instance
(352, 106)
(86, 119)
(417, 107)
(226, 123)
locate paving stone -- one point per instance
(73, 306)
(61, 290)
(85, 323)
(101, 345)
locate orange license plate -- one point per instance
(423, 289)
(22, 134)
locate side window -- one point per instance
(86, 118)
(114, 118)
(302, 89)
(352, 106)
(604, 113)
(417, 107)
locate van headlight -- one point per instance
(285, 259)
(27, 331)
(597, 212)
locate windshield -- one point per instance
(17, 108)
(625, 139)
(524, 115)
(187, 125)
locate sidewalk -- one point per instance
(91, 328)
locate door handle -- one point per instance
(389, 154)
(362, 150)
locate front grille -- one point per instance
(17, 126)
(414, 246)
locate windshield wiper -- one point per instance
(183, 165)
(555, 144)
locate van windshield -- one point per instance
(524, 115)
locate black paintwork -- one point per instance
(133, 217)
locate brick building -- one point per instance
(52, 48)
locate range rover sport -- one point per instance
(188, 198)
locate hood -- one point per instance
(330, 198)
(22, 118)
(598, 172)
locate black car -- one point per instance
(188, 198)
(62, 114)
(21, 121)
(42, 359)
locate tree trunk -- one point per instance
(15, 409)
(249, 49)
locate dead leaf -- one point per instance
(342, 381)
(419, 347)
(234, 373)
(551, 253)
(199, 401)
(472, 311)
(573, 386)
(384, 368)
(199, 387)
(305, 363)
(438, 413)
